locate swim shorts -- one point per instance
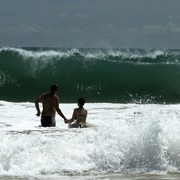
(47, 121)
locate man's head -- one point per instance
(53, 88)
(81, 101)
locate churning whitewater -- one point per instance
(127, 138)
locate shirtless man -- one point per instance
(79, 114)
(50, 104)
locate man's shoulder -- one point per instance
(45, 94)
(50, 96)
(56, 97)
(42, 96)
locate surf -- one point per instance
(127, 139)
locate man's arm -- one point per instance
(59, 110)
(37, 100)
(61, 114)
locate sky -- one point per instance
(90, 23)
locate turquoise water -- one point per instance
(100, 75)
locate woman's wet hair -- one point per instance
(81, 101)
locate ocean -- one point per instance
(132, 98)
(101, 75)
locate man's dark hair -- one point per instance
(81, 101)
(54, 88)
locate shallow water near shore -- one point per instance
(102, 177)
(127, 141)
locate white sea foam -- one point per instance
(128, 138)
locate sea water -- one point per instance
(100, 75)
(127, 141)
(132, 97)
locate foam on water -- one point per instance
(128, 138)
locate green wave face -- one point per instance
(100, 75)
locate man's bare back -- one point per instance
(50, 104)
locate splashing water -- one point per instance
(127, 138)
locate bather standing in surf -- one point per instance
(50, 103)
(79, 116)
